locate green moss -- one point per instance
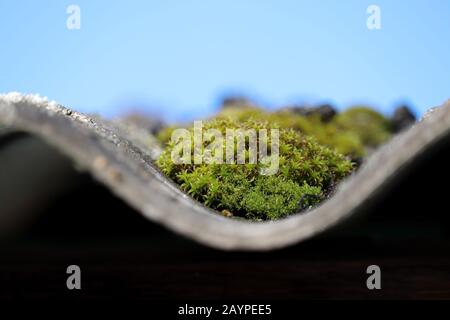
(338, 137)
(305, 168)
(370, 126)
(351, 132)
(241, 114)
(313, 158)
(163, 136)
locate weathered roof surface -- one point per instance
(121, 159)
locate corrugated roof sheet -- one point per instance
(120, 157)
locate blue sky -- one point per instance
(178, 58)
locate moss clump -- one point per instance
(307, 171)
(344, 141)
(351, 132)
(370, 126)
(165, 133)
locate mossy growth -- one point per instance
(306, 173)
(343, 141)
(371, 127)
(351, 132)
(314, 156)
(165, 133)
